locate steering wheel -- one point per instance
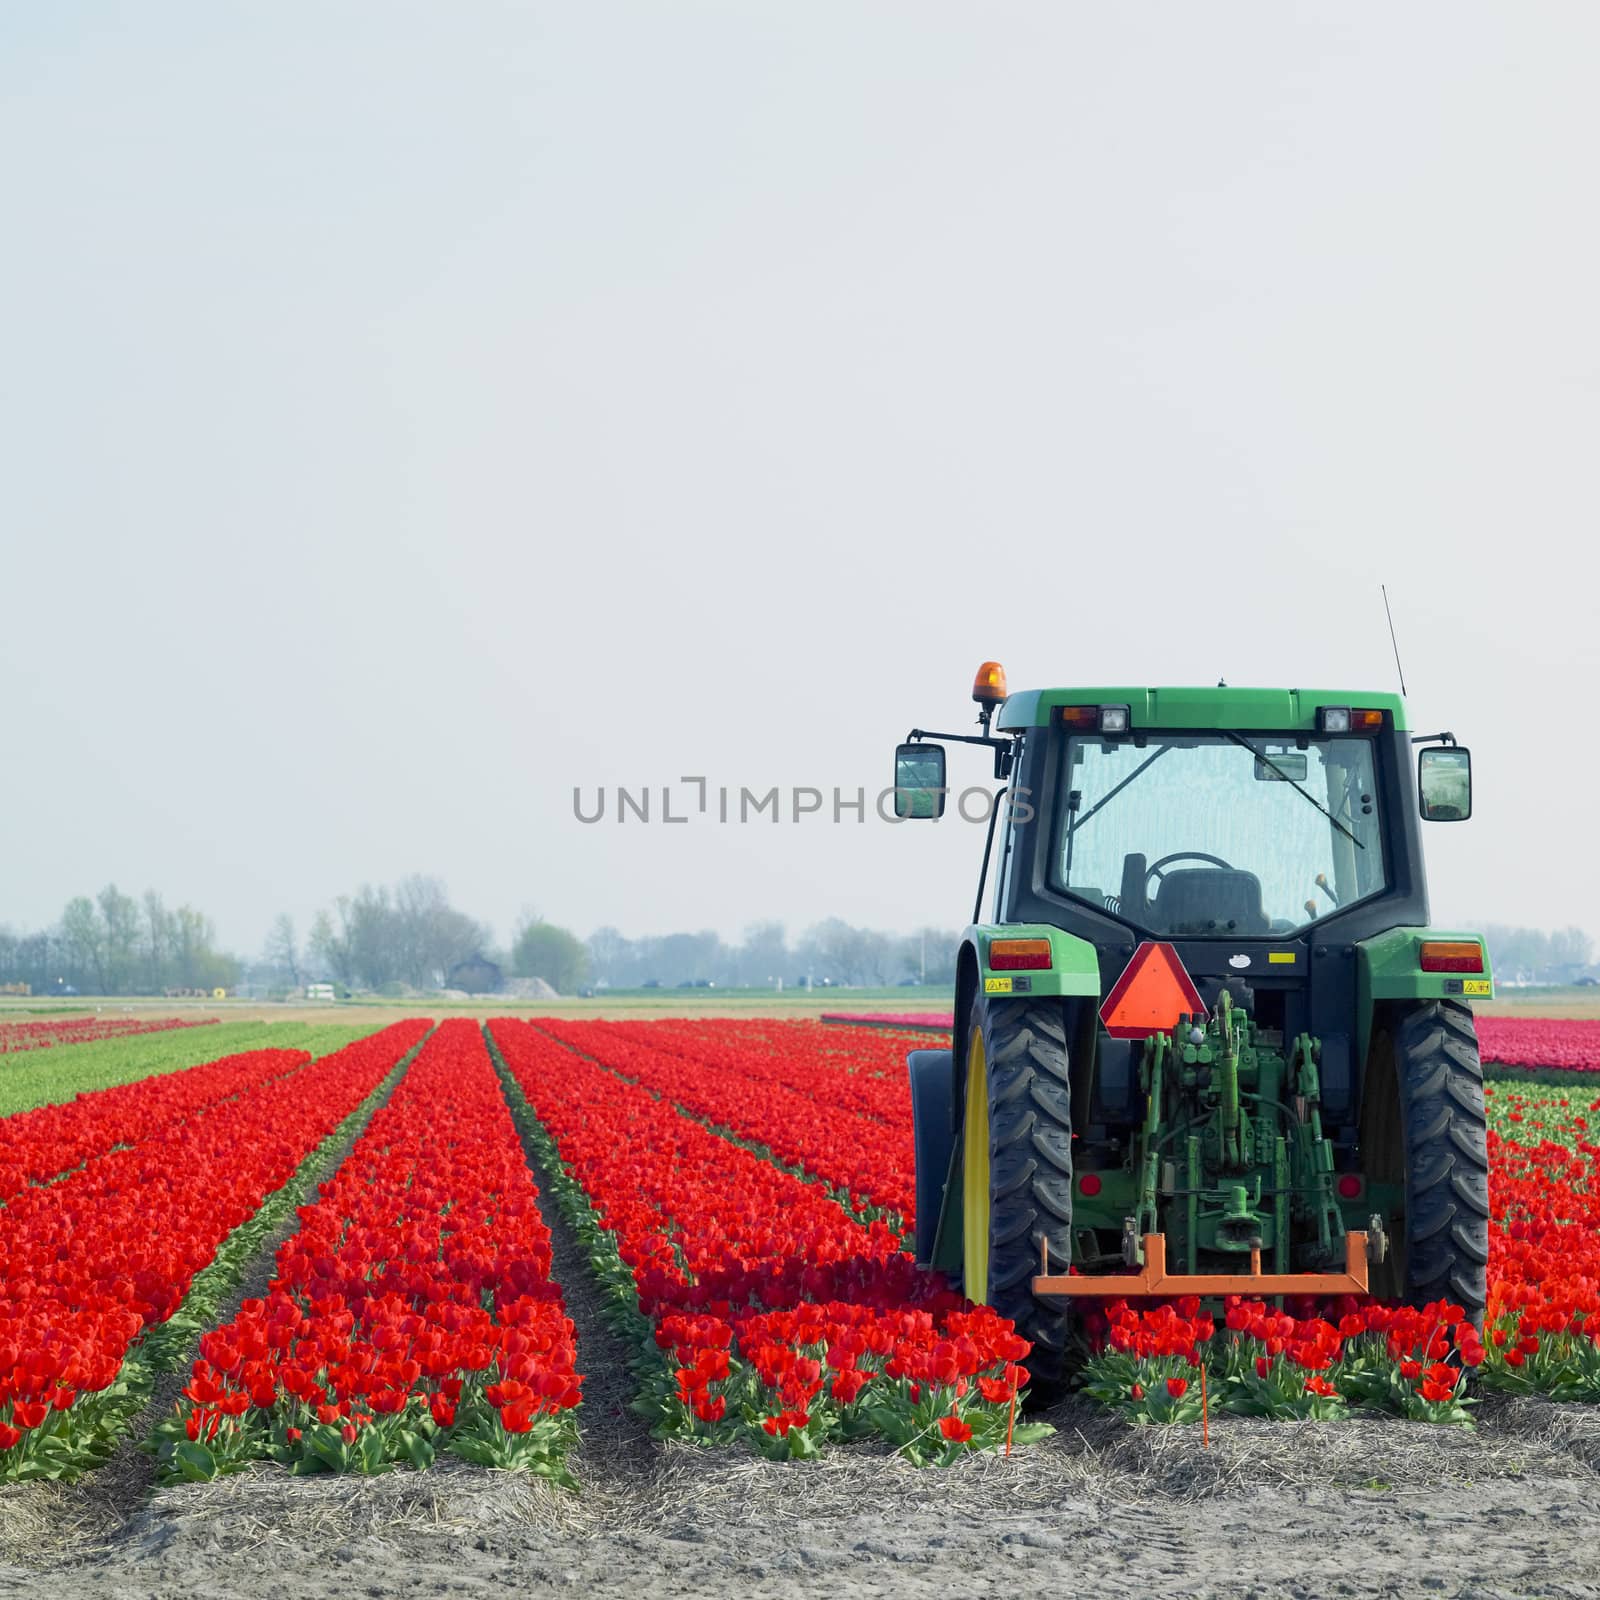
(1156, 869)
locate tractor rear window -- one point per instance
(1219, 835)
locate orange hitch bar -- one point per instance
(1153, 1280)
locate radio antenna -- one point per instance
(1384, 588)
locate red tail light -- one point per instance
(1019, 955)
(1451, 955)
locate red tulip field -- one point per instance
(1572, 1044)
(742, 1191)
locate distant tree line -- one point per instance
(114, 944)
(410, 937)
(831, 952)
(1532, 955)
(407, 937)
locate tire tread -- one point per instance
(1447, 1164)
(1030, 1135)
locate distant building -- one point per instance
(476, 975)
(319, 991)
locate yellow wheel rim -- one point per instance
(975, 1175)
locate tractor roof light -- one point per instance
(1019, 955)
(1350, 719)
(1450, 955)
(989, 687)
(1108, 719)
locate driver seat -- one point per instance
(1209, 900)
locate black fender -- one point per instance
(933, 1132)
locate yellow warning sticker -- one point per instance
(1476, 986)
(1280, 958)
(997, 986)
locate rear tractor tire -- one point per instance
(1016, 1137)
(1423, 1126)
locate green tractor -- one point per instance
(1207, 1042)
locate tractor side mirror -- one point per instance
(919, 788)
(1444, 783)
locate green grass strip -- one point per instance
(1573, 1078)
(30, 1078)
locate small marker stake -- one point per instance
(1011, 1421)
(1205, 1413)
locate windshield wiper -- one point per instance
(1111, 794)
(1075, 821)
(1244, 743)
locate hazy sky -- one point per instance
(409, 412)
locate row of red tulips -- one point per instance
(16, 1036)
(1279, 1364)
(89, 1264)
(771, 1314)
(44, 1143)
(413, 1310)
(870, 1161)
(854, 1069)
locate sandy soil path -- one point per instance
(1358, 1508)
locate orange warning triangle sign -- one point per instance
(1152, 994)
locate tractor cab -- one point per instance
(1218, 835)
(1191, 1033)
